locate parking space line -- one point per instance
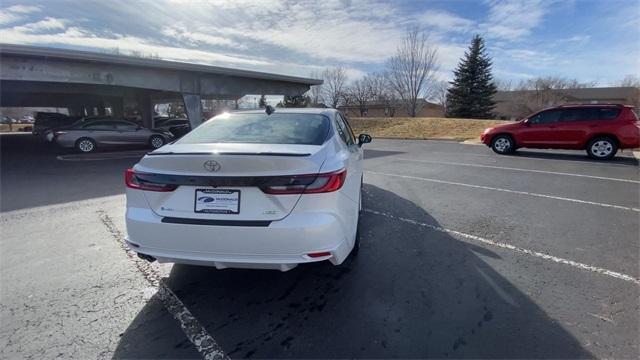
(195, 332)
(502, 245)
(520, 169)
(524, 157)
(585, 202)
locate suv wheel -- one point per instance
(602, 148)
(85, 145)
(503, 144)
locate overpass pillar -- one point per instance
(193, 106)
(145, 106)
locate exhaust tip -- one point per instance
(146, 257)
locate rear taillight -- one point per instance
(306, 184)
(142, 181)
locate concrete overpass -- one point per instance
(77, 80)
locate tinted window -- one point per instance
(344, 131)
(546, 117)
(100, 125)
(260, 128)
(608, 113)
(125, 125)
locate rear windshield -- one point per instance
(260, 128)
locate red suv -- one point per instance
(599, 129)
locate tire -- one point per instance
(602, 148)
(503, 144)
(85, 145)
(156, 141)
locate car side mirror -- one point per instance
(364, 139)
(526, 122)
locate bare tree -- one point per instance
(361, 93)
(333, 89)
(315, 91)
(411, 71)
(537, 93)
(439, 95)
(629, 81)
(503, 85)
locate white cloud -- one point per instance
(48, 24)
(9, 18)
(15, 13)
(514, 19)
(22, 9)
(195, 37)
(445, 21)
(79, 37)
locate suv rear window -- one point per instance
(260, 128)
(608, 113)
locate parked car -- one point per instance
(250, 190)
(601, 130)
(176, 126)
(49, 120)
(88, 136)
(49, 133)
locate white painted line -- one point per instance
(520, 169)
(507, 191)
(537, 254)
(525, 157)
(195, 332)
(102, 156)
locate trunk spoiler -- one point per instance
(231, 153)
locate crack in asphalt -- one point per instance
(195, 332)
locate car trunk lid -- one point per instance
(213, 178)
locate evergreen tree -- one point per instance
(472, 89)
(263, 102)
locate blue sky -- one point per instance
(587, 40)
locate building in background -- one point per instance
(513, 105)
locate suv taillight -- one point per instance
(136, 180)
(307, 184)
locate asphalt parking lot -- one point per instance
(465, 254)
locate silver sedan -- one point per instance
(88, 136)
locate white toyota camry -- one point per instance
(250, 189)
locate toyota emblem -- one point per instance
(212, 165)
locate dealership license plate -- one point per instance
(217, 201)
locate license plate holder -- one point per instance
(217, 201)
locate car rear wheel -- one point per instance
(503, 144)
(602, 148)
(156, 141)
(85, 145)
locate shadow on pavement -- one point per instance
(167, 341)
(410, 293)
(620, 160)
(370, 154)
(31, 175)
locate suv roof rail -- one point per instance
(599, 104)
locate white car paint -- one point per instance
(271, 231)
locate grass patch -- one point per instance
(422, 128)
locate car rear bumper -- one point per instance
(281, 245)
